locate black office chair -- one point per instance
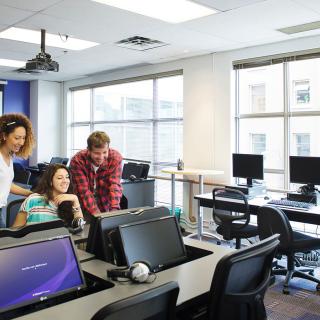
(233, 220)
(273, 220)
(155, 304)
(22, 176)
(12, 211)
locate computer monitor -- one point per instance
(131, 169)
(305, 170)
(38, 270)
(103, 225)
(248, 166)
(157, 241)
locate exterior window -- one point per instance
(258, 141)
(301, 91)
(302, 141)
(258, 97)
(144, 120)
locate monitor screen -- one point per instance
(101, 227)
(36, 271)
(304, 170)
(158, 242)
(249, 166)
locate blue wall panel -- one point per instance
(17, 99)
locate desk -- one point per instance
(311, 216)
(194, 280)
(189, 171)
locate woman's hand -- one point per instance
(67, 197)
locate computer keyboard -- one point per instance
(292, 204)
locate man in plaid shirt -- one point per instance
(96, 174)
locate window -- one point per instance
(288, 123)
(301, 91)
(258, 142)
(302, 141)
(144, 120)
(258, 97)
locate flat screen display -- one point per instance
(304, 170)
(157, 242)
(38, 271)
(247, 165)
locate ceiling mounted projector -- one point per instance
(42, 62)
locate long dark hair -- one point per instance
(44, 187)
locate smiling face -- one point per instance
(98, 155)
(15, 140)
(60, 182)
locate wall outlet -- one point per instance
(211, 225)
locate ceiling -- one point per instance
(241, 23)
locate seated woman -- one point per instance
(53, 199)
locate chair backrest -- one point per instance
(224, 216)
(12, 211)
(240, 281)
(156, 304)
(22, 176)
(272, 220)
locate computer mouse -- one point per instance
(266, 198)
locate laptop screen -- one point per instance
(37, 271)
(157, 242)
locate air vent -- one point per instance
(140, 43)
(301, 28)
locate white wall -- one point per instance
(45, 114)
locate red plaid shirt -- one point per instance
(108, 186)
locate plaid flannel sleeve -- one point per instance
(115, 190)
(82, 188)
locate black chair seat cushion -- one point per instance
(246, 232)
(301, 243)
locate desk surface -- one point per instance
(192, 171)
(194, 279)
(311, 216)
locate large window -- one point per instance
(144, 120)
(278, 114)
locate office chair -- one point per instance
(273, 220)
(12, 211)
(22, 176)
(233, 220)
(155, 304)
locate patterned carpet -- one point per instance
(303, 303)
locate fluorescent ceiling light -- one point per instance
(12, 63)
(173, 11)
(52, 40)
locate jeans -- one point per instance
(2, 219)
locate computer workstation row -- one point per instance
(41, 265)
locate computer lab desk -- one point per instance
(311, 216)
(194, 279)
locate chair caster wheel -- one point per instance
(285, 291)
(318, 287)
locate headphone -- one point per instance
(138, 272)
(77, 225)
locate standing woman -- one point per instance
(16, 139)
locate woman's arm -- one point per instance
(21, 219)
(76, 208)
(15, 189)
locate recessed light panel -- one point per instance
(12, 63)
(173, 11)
(52, 40)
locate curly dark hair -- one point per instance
(8, 123)
(44, 187)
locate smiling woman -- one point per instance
(16, 139)
(53, 199)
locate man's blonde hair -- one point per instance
(98, 139)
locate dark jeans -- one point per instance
(2, 219)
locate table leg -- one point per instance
(200, 209)
(173, 194)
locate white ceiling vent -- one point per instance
(140, 43)
(301, 28)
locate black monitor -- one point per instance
(157, 241)
(37, 270)
(305, 170)
(102, 226)
(248, 166)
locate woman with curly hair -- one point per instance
(53, 199)
(16, 139)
